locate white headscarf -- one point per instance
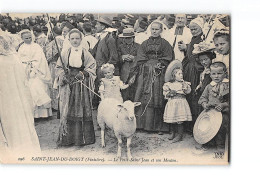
(199, 21)
(67, 45)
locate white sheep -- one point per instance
(119, 117)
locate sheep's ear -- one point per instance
(137, 103)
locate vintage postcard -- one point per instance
(146, 89)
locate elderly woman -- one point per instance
(76, 123)
(153, 57)
(18, 137)
(192, 67)
(38, 74)
(127, 52)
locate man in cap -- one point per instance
(179, 36)
(127, 52)
(106, 51)
(116, 23)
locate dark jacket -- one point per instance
(106, 53)
(126, 66)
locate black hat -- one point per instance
(105, 20)
(115, 19)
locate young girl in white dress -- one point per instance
(111, 85)
(177, 109)
(38, 74)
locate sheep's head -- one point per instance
(128, 109)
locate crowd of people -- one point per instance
(177, 66)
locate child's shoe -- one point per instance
(178, 138)
(179, 135)
(160, 133)
(172, 135)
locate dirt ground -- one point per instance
(146, 148)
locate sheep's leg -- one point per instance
(102, 131)
(129, 156)
(119, 145)
(103, 137)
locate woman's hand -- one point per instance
(32, 72)
(80, 76)
(65, 80)
(125, 57)
(131, 58)
(159, 66)
(128, 57)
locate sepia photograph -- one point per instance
(115, 88)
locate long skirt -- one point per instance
(150, 94)
(80, 128)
